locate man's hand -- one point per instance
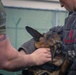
(41, 56)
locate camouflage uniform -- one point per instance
(2, 19)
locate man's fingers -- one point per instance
(48, 49)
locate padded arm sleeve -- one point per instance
(28, 46)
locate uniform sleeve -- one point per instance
(28, 47)
(58, 29)
(2, 19)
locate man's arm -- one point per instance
(12, 60)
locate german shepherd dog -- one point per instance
(60, 61)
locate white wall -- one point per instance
(46, 4)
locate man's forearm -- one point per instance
(18, 63)
(10, 58)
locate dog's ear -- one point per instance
(34, 33)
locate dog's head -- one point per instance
(52, 41)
